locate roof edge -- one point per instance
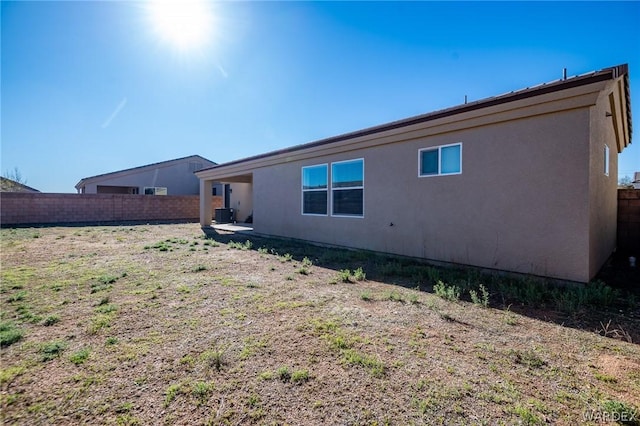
(605, 74)
(85, 179)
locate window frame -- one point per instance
(361, 187)
(438, 148)
(607, 157)
(326, 188)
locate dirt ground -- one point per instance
(156, 324)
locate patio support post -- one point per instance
(206, 212)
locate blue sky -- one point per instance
(94, 87)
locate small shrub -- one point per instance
(124, 407)
(51, 320)
(107, 279)
(359, 274)
(247, 245)
(105, 309)
(80, 357)
(307, 262)
(103, 301)
(605, 378)
(52, 350)
(215, 357)
(366, 296)
(9, 334)
(283, 374)
(111, 341)
(528, 358)
(266, 375)
(447, 292)
(171, 393)
(393, 296)
(199, 268)
(17, 297)
(621, 412)
(299, 376)
(482, 299)
(303, 270)
(344, 275)
(201, 390)
(353, 357)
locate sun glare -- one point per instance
(185, 24)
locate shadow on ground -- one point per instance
(609, 305)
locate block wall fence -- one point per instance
(41, 208)
(45, 209)
(629, 220)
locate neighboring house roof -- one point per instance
(8, 185)
(90, 179)
(542, 89)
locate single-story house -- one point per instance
(172, 177)
(523, 182)
(10, 185)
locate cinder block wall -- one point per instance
(41, 208)
(629, 220)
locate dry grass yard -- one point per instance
(156, 324)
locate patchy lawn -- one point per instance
(157, 324)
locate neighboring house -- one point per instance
(9, 185)
(636, 180)
(173, 177)
(523, 182)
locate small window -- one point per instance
(440, 160)
(347, 188)
(155, 190)
(314, 190)
(606, 160)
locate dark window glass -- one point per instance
(348, 202)
(429, 162)
(314, 202)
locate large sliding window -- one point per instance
(440, 160)
(347, 188)
(314, 190)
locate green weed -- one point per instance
(171, 392)
(482, 299)
(283, 373)
(80, 356)
(17, 297)
(299, 376)
(51, 320)
(359, 274)
(52, 350)
(9, 334)
(201, 391)
(447, 292)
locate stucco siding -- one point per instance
(602, 188)
(520, 203)
(175, 175)
(241, 200)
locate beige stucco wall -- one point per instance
(241, 200)
(520, 204)
(532, 196)
(603, 200)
